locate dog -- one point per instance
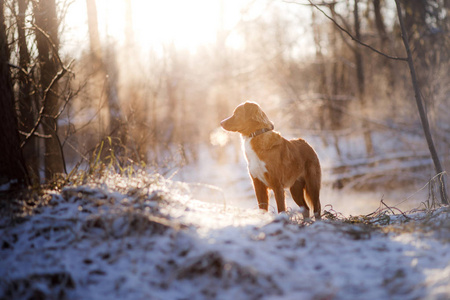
(276, 163)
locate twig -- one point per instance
(403, 214)
(50, 41)
(387, 206)
(331, 211)
(422, 188)
(66, 101)
(44, 136)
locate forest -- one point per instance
(110, 130)
(158, 103)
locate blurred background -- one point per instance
(147, 82)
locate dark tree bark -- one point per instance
(358, 56)
(48, 46)
(423, 116)
(12, 166)
(27, 104)
(379, 22)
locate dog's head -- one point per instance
(247, 118)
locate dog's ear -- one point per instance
(259, 116)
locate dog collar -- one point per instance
(260, 131)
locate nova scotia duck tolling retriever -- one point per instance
(276, 163)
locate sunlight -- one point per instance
(185, 24)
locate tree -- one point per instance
(108, 70)
(423, 116)
(12, 166)
(47, 40)
(26, 97)
(419, 102)
(361, 85)
(379, 22)
(330, 114)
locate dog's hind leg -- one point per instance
(298, 196)
(262, 194)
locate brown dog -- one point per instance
(276, 163)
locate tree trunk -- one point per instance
(27, 105)
(106, 63)
(12, 165)
(94, 38)
(129, 32)
(48, 46)
(379, 22)
(117, 124)
(422, 113)
(361, 83)
(328, 119)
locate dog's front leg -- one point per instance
(279, 197)
(262, 193)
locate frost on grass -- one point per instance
(143, 236)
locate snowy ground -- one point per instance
(145, 237)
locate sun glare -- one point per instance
(186, 24)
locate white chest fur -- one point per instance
(256, 167)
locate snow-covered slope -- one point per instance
(145, 238)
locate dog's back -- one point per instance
(285, 160)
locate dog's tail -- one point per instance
(312, 189)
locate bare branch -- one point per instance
(50, 41)
(67, 99)
(36, 134)
(55, 79)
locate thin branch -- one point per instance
(50, 41)
(36, 134)
(55, 79)
(83, 156)
(341, 33)
(67, 99)
(348, 33)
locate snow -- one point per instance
(146, 237)
(7, 186)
